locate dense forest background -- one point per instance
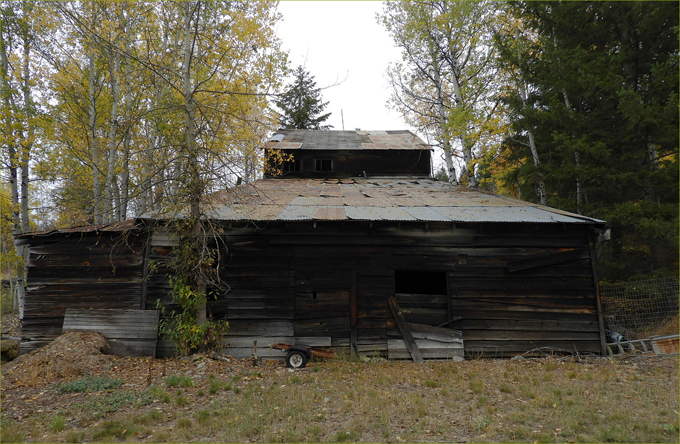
(113, 109)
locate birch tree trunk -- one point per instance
(92, 114)
(127, 101)
(441, 108)
(27, 132)
(524, 95)
(9, 136)
(111, 212)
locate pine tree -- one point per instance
(602, 104)
(302, 105)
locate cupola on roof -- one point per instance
(345, 140)
(324, 154)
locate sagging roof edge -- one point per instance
(122, 226)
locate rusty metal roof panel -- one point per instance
(356, 201)
(506, 214)
(405, 202)
(125, 225)
(317, 201)
(474, 214)
(426, 214)
(248, 212)
(393, 213)
(330, 213)
(377, 201)
(362, 213)
(297, 212)
(283, 145)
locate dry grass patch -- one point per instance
(546, 400)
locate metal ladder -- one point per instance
(615, 348)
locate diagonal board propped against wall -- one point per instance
(405, 331)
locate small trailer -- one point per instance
(298, 355)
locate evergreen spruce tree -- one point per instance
(603, 107)
(301, 105)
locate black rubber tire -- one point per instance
(296, 359)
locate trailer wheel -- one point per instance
(296, 359)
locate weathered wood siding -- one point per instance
(129, 332)
(79, 270)
(517, 286)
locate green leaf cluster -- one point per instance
(191, 270)
(189, 336)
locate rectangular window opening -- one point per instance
(420, 282)
(324, 165)
(291, 165)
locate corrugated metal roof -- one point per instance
(345, 140)
(374, 200)
(125, 225)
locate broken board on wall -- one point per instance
(129, 332)
(420, 342)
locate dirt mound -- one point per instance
(11, 328)
(70, 355)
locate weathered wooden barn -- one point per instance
(342, 222)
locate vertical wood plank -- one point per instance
(353, 311)
(145, 272)
(596, 282)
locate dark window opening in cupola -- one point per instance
(324, 165)
(291, 165)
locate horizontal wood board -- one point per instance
(96, 270)
(129, 332)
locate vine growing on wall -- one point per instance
(193, 269)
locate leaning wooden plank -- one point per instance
(117, 326)
(427, 354)
(396, 349)
(405, 331)
(422, 331)
(423, 345)
(544, 260)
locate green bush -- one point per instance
(172, 381)
(57, 424)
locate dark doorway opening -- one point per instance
(420, 282)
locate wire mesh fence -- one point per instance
(641, 309)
